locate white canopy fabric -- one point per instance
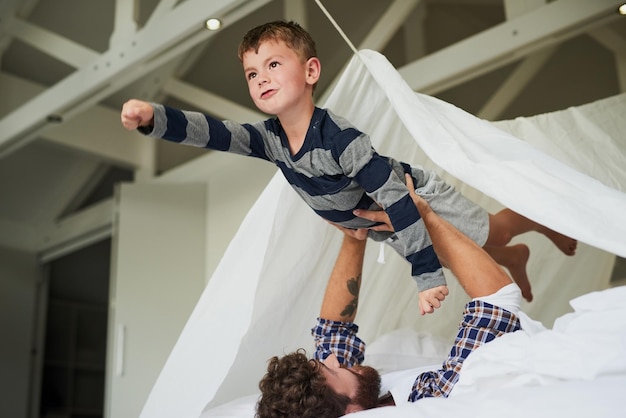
(566, 171)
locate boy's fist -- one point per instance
(431, 299)
(136, 113)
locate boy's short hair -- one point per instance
(290, 32)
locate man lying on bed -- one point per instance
(334, 383)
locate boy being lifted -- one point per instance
(333, 166)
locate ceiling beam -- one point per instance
(53, 239)
(122, 64)
(89, 183)
(97, 133)
(296, 10)
(390, 22)
(61, 193)
(217, 106)
(509, 41)
(514, 8)
(12, 8)
(515, 84)
(523, 73)
(124, 21)
(161, 9)
(59, 47)
(76, 231)
(610, 39)
(413, 29)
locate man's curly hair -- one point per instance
(294, 387)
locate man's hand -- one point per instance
(379, 216)
(431, 299)
(422, 206)
(372, 215)
(136, 113)
(360, 234)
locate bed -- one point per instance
(565, 170)
(575, 369)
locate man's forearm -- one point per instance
(342, 291)
(476, 271)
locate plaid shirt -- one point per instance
(338, 338)
(482, 322)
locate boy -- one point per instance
(333, 166)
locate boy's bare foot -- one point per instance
(564, 243)
(514, 258)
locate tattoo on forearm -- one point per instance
(353, 284)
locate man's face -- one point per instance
(360, 383)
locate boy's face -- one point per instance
(278, 80)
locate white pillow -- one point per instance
(243, 407)
(405, 348)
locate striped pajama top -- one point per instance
(336, 171)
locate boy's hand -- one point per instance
(136, 113)
(431, 299)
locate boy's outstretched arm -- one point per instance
(136, 113)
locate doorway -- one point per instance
(75, 341)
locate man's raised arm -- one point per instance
(477, 272)
(342, 291)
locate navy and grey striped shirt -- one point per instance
(336, 171)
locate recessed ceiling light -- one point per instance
(622, 9)
(213, 24)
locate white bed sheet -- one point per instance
(577, 369)
(601, 398)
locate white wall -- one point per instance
(232, 184)
(157, 277)
(19, 272)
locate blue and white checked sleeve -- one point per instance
(482, 322)
(339, 338)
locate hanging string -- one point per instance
(381, 254)
(341, 32)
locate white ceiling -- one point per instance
(68, 65)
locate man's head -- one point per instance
(295, 386)
(291, 33)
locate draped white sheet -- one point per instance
(266, 292)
